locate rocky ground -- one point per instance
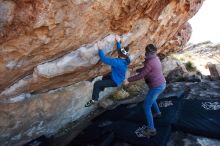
(200, 55)
(194, 84)
(49, 58)
(205, 89)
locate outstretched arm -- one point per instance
(105, 59)
(142, 74)
(139, 69)
(118, 42)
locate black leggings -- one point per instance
(101, 85)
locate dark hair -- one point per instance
(150, 48)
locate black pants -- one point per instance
(101, 85)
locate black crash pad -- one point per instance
(131, 133)
(135, 112)
(200, 117)
(94, 135)
(103, 134)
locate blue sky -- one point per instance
(206, 23)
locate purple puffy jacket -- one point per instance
(151, 72)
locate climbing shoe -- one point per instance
(90, 102)
(149, 132)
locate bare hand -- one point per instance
(99, 45)
(126, 82)
(117, 38)
(133, 73)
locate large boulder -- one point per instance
(178, 41)
(214, 71)
(48, 55)
(169, 64)
(33, 52)
(179, 75)
(175, 71)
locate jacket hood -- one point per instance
(150, 56)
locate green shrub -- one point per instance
(190, 66)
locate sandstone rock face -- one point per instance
(29, 116)
(47, 50)
(51, 29)
(178, 41)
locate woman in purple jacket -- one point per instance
(153, 75)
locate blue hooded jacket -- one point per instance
(119, 66)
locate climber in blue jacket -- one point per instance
(119, 67)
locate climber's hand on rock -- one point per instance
(99, 45)
(117, 38)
